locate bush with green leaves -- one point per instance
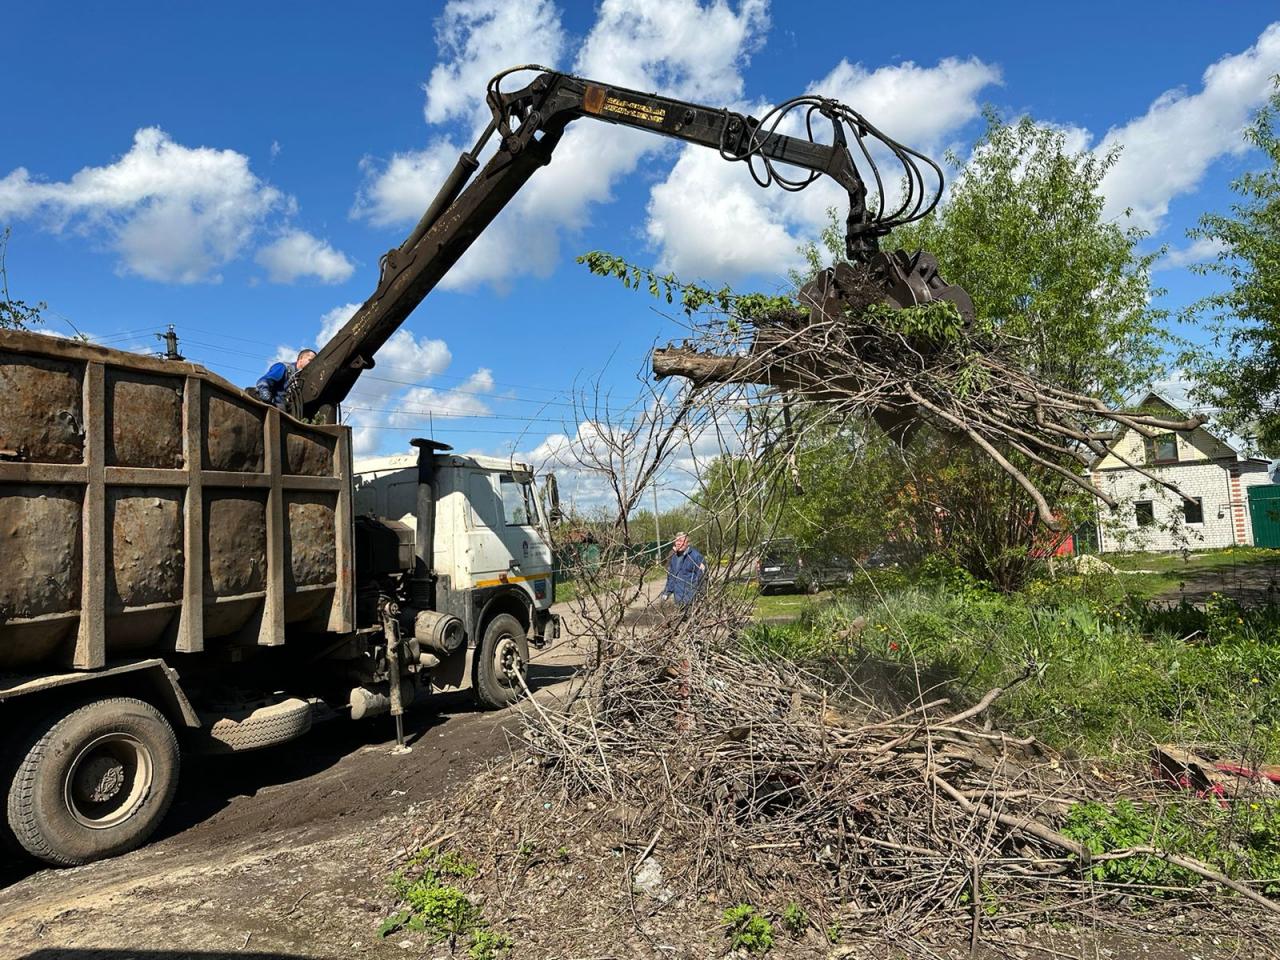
(747, 929)
(1241, 839)
(1097, 673)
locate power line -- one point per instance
(406, 383)
(448, 376)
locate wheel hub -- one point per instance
(108, 781)
(507, 659)
(99, 779)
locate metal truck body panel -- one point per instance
(150, 506)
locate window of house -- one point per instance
(1146, 513)
(1162, 449)
(1193, 510)
(517, 502)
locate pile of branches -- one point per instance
(844, 346)
(759, 778)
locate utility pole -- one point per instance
(170, 339)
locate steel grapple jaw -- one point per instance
(909, 280)
(898, 279)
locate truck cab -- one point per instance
(491, 545)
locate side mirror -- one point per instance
(551, 490)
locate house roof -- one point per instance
(1235, 443)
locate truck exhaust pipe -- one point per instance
(422, 584)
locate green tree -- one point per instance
(14, 314)
(1060, 286)
(1023, 231)
(1243, 379)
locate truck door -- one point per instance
(505, 541)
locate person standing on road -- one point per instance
(273, 386)
(685, 572)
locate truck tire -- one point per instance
(253, 729)
(502, 649)
(95, 783)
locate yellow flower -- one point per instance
(1254, 680)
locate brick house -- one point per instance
(1209, 466)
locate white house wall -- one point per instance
(1221, 485)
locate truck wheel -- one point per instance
(96, 783)
(502, 652)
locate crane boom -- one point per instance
(530, 122)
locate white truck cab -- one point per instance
(491, 550)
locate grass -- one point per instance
(570, 590)
(1105, 673)
(1150, 575)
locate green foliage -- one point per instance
(794, 919)
(440, 910)
(15, 314)
(932, 325)
(1242, 376)
(1023, 231)
(393, 923)
(747, 929)
(487, 945)
(1067, 294)
(454, 864)
(1242, 840)
(691, 297)
(1106, 674)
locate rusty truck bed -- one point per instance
(149, 505)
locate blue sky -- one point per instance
(237, 169)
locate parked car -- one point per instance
(783, 566)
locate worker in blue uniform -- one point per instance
(685, 572)
(273, 386)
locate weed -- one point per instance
(393, 923)
(454, 864)
(747, 929)
(795, 919)
(487, 945)
(834, 934)
(441, 911)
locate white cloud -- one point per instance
(170, 212)
(1198, 251)
(478, 38)
(710, 219)
(421, 403)
(400, 193)
(685, 48)
(379, 394)
(917, 105)
(1167, 150)
(298, 254)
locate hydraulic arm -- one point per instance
(529, 123)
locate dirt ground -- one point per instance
(286, 853)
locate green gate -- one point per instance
(1264, 510)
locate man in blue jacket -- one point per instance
(685, 572)
(273, 386)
